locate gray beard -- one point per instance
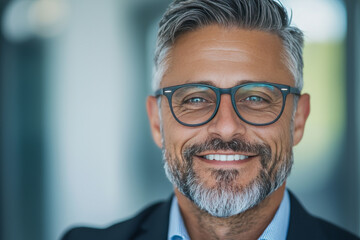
(226, 198)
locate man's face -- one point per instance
(225, 58)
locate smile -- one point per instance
(225, 158)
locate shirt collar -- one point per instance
(277, 229)
(177, 229)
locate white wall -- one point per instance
(89, 88)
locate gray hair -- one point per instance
(265, 15)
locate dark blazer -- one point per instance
(152, 224)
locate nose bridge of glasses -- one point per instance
(227, 91)
(226, 106)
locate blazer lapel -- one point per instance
(156, 224)
(302, 225)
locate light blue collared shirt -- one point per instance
(276, 230)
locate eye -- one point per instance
(255, 99)
(195, 100)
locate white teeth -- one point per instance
(231, 158)
(225, 158)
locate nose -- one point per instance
(226, 124)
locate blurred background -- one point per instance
(75, 143)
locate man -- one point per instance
(227, 111)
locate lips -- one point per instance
(218, 152)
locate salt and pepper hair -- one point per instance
(271, 16)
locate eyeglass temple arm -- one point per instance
(295, 91)
(159, 92)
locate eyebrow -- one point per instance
(207, 82)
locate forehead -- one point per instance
(226, 57)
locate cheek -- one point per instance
(177, 136)
(278, 135)
(284, 126)
(170, 134)
(282, 144)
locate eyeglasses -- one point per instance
(257, 103)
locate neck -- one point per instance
(247, 225)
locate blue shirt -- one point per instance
(276, 230)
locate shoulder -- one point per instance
(123, 230)
(305, 226)
(334, 232)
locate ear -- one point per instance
(301, 115)
(154, 119)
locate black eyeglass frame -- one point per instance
(169, 91)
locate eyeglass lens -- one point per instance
(255, 103)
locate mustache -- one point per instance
(236, 145)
